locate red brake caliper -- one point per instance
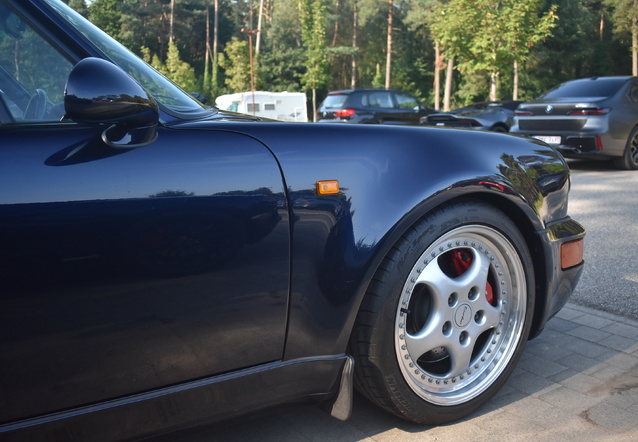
(461, 260)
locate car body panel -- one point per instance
(201, 276)
(583, 136)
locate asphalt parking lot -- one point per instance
(577, 381)
(605, 201)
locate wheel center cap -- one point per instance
(463, 315)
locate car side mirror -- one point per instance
(100, 93)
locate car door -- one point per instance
(124, 271)
(408, 109)
(379, 105)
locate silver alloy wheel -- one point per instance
(453, 339)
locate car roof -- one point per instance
(352, 91)
(586, 87)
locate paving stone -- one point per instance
(580, 362)
(593, 321)
(568, 400)
(541, 366)
(561, 325)
(621, 329)
(589, 333)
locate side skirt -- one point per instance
(197, 402)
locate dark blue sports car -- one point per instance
(165, 264)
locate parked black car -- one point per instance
(592, 118)
(496, 116)
(165, 264)
(371, 106)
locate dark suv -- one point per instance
(591, 118)
(372, 106)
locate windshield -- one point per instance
(594, 87)
(163, 90)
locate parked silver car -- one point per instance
(592, 118)
(496, 116)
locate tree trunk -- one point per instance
(207, 56)
(171, 36)
(634, 43)
(336, 31)
(314, 105)
(493, 85)
(355, 25)
(448, 85)
(437, 76)
(215, 43)
(515, 87)
(259, 18)
(388, 60)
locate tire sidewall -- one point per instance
(426, 232)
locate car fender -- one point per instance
(389, 177)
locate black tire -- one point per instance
(629, 159)
(500, 129)
(429, 344)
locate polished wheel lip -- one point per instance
(504, 322)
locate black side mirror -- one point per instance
(99, 92)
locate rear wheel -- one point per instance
(629, 160)
(447, 315)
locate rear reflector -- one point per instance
(571, 253)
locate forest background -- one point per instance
(449, 53)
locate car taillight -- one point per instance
(345, 113)
(590, 111)
(522, 113)
(471, 123)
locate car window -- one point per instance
(336, 101)
(600, 87)
(169, 95)
(633, 92)
(405, 101)
(32, 73)
(377, 99)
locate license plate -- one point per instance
(548, 139)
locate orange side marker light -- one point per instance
(327, 187)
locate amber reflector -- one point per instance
(328, 187)
(571, 253)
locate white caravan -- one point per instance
(283, 106)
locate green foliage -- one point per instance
(313, 34)
(106, 15)
(489, 36)
(308, 44)
(236, 62)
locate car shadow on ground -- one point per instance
(576, 380)
(592, 165)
